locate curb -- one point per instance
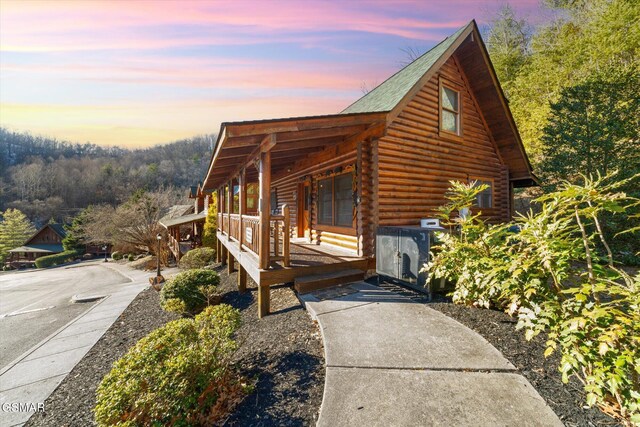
(47, 339)
(89, 298)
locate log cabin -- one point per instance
(46, 241)
(301, 198)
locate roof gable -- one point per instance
(56, 228)
(389, 93)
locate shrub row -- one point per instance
(177, 375)
(55, 259)
(558, 275)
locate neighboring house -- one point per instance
(330, 181)
(184, 223)
(46, 241)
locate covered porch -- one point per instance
(184, 233)
(266, 217)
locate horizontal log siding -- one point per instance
(415, 163)
(287, 185)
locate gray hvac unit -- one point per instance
(401, 252)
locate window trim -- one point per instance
(442, 83)
(490, 181)
(350, 230)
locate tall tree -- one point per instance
(594, 129)
(508, 40)
(586, 38)
(15, 229)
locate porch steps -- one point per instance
(307, 284)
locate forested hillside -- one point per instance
(46, 178)
(572, 86)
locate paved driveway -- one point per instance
(36, 303)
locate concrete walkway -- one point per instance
(392, 361)
(33, 376)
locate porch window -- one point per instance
(325, 201)
(274, 201)
(449, 110)
(335, 201)
(252, 197)
(484, 199)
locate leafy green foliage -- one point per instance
(117, 255)
(56, 259)
(211, 223)
(594, 129)
(198, 258)
(195, 288)
(178, 375)
(585, 38)
(559, 275)
(15, 229)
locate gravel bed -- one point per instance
(282, 355)
(566, 400)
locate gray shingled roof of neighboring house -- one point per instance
(389, 93)
(53, 248)
(185, 219)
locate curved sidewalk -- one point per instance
(392, 361)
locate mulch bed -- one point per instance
(71, 404)
(566, 400)
(282, 355)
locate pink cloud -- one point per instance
(63, 25)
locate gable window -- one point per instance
(449, 110)
(484, 199)
(335, 201)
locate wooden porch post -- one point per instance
(286, 236)
(242, 196)
(230, 201)
(265, 208)
(230, 261)
(242, 279)
(264, 293)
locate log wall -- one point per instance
(312, 168)
(415, 162)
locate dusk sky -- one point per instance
(136, 73)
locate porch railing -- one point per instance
(248, 232)
(174, 245)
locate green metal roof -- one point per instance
(59, 229)
(389, 93)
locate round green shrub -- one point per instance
(131, 257)
(179, 375)
(116, 255)
(198, 258)
(195, 288)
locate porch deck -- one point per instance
(305, 259)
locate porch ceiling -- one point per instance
(289, 140)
